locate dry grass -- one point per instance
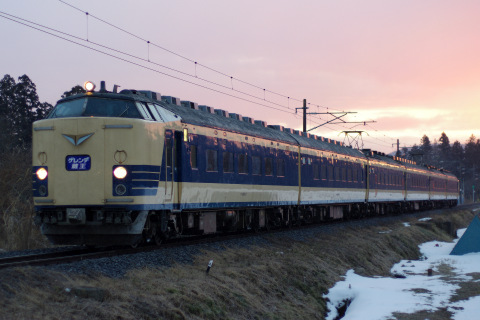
(17, 231)
(283, 281)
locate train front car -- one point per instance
(97, 163)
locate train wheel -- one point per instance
(268, 222)
(158, 238)
(136, 243)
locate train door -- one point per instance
(366, 175)
(179, 150)
(169, 165)
(431, 184)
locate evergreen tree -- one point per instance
(75, 90)
(19, 108)
(471, 151)
(426, 148)
(444, 147)
(457, 158)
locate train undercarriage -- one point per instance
(105, 227)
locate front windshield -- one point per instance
(96, 107)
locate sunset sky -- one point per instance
(413, 67)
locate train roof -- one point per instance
(257, 129)
(191, 113)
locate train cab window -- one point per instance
(227, 162)
(256, 165)
(280, 168)
(242, 163)
(268, 166)
(164, 115)
(154, 112)
(96, 107)
(144, 111)
(212, 164)
(193, 157)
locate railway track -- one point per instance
(82, 253)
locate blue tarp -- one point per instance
(470, 241)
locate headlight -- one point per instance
(120, 172)
(89, 86)
(42, 173)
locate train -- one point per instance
(122, 168)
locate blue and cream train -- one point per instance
(121, 168)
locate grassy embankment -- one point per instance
(17, 231)
(285, 280)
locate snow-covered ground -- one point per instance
(379, 298)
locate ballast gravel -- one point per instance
(118, 266)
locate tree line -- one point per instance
(460, 159)
(20, 107)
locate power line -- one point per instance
(41, 28)
(2, 14)
(195, 62)
(147, 60)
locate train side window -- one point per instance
(316, 174)
(280, 168)
(212, 156)
(337, 173)
(227, 162)
(349, 174)
(268, 166)
(323, 169)
(193, 157)
(344, 174)
(242, 163)
(168, 149)
(256, 165)
(330, 173)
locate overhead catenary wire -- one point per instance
(196, 63)
(140, 65)
(147, 60)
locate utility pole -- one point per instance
(335, 115)
(304, 108)
(304, 115)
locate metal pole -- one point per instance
(304, 115)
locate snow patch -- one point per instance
(425, 219)
(411, 289)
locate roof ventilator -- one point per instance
(236, 116)
(207, 109)
(221, 112)
(171, 100)
(276, 127)
(152, 95)
(261, 123)
(249, 120)
(189, 104)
